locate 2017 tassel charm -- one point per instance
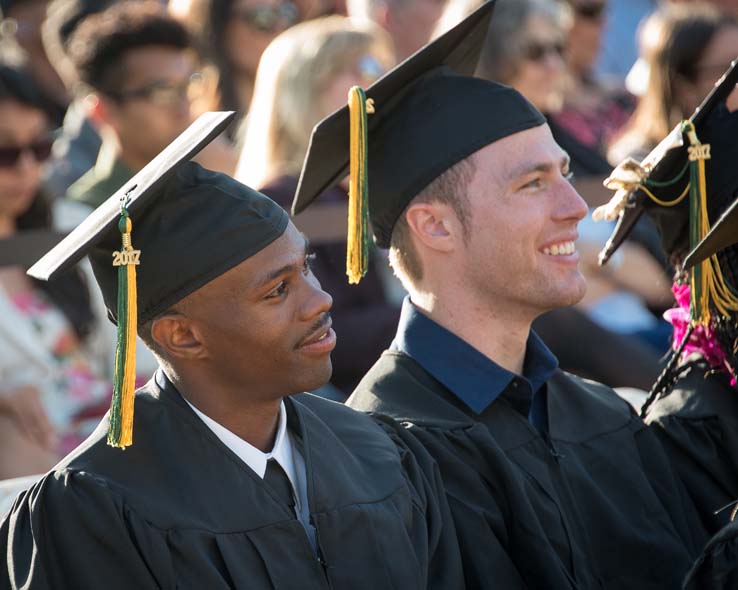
(120, 431)
(357, 247)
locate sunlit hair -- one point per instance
(293, 74)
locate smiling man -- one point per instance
(553, 481)
(229, 482)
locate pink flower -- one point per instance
(702, 340)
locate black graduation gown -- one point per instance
(179, 510)
(717, 567)
(697, 423)
(597, 506)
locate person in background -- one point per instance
(141, 71)
(686, 48)
(21, 21)
(305, 75)
(592, 112)
(410, 23)
(693, 406)
(231, 36)
(77, 143)
(619, 49)
(53, 374)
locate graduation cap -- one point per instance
(167, 232)
(25, 247)
(722, 235)
(684, 184)
(406, 129)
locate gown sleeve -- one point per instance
(432, 529)
(71, 531)
(717, 567)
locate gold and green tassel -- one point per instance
(707, 285)
(357, 247)
(120, 431)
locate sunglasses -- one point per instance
(537, 50)
(165, 93)
(590, 10)
(9, 155)
(267, 18)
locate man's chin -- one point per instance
(315, 377)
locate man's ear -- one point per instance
(434, 225)
(179, 337)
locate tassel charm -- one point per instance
(357, 247)
(120, 432)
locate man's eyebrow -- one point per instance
(284, 269)
(539, 167)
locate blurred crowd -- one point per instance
(92, 90)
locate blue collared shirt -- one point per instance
(473, 378)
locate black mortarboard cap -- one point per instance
(429, 114)
(190, 224)
(714, 125)
(722, 235)
(174, 227)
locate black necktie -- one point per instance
(277, 479)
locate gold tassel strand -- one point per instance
(357, 247)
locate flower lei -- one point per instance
(702, 340)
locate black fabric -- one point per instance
(717, 567)
(200, 225)
(697, 423)
(429, 115)
(277, 479)
(594, 505)
(179, 509)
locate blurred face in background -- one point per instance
(541, 69)
(410, 24)
(585, 36)
(363, 71)
(715, 59)
(152, 105)
(25, 143)
(253, 25)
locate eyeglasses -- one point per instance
(165, 93)
(538, 50)
(9, 155)
(267, 18)
(590, 10)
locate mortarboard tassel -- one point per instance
(357, 247)
(120, 432)
(707, 285)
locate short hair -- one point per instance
(99, 44)
(449, 188)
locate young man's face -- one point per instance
(152, 103)
(265, 324)
(523, 215)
